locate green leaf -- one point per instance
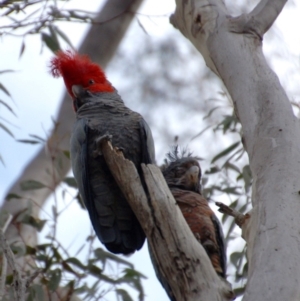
(212, 170)
(69, 269)
(94, 270)
(36, 292)
(229, 165)
(4, 89)
(51, 42)
(22, 49)
(32, 185)
(76, 262)
(63, 36)
(80, 201)
(56, 254)
(18, 250)
(201, 132)
(37, 137)
(132, 273)
(102, 255)
(210, 112)
(12, 196)
(71, 182)
(28, 141)
(235, 257)
(8, 107)
(231, 190)
(6, 71)
(225, 151)
(239, 291)
(227, 122)
(6, 130)
(123, 295)
(30, 250)
(43, 247)
(55, 277)
(133, 278)
(34, 222)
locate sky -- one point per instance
(36, 97)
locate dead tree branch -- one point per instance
(180, 258)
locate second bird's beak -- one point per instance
(192, 176)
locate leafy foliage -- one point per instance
(57, 268)
(22, 18)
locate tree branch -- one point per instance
(4, 260)
(19, 282)
(179, 257)
(239, 218)
(260, 19)
(265, 13)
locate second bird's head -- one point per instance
(182, 170)
(80, 75)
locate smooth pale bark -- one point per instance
(181, 260)
(232, 48)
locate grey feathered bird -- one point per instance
(100, 111)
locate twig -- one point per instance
(239, 218)
(19, 283)
(4, 262)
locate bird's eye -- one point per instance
(91, 81)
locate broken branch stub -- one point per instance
(178, 256)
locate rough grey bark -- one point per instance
(181, 260)
(50, 165)
(232, 48)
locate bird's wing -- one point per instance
(79, 150)
(148, 150)
(221, 242)
(111, 216)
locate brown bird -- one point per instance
(183, 174)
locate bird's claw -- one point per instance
(97, 147)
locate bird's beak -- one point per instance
(192, 176)
(77, 90)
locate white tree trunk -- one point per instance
(232, 48)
